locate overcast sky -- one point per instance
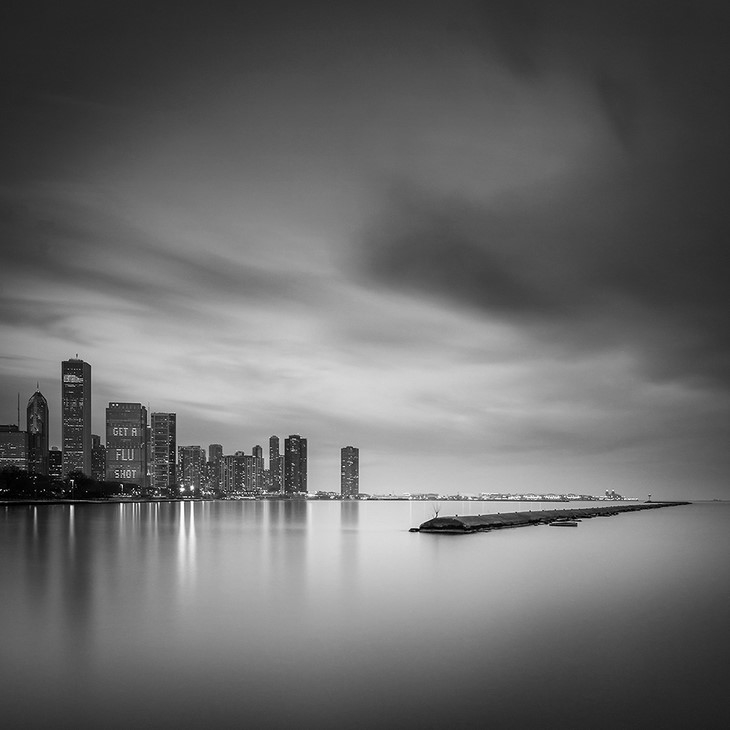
(482, 241)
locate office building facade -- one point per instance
(76, 416)
(349, 471)
(37, 427)
(126, 443)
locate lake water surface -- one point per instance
(329, 614)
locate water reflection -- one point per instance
(348, 548)
(276, 614)
(284, 573)
(186, 545)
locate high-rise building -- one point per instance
(163, 470)
(37, 428)
(98, 458)
(276, 464)
(252, 467)
(191, 461)
(126, 443)
(349, 471)
(55, 464)
(295, 464)
(13, 448)
(215, 466)
(76, 415)
(148, 446)
(258, 468)
(245, 463)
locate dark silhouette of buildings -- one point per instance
(163, 446)
(191, 460)
(76, 415)
(37, 427)
(295, 464)
(349, 471)
(98, 458)
(126, 443)
(13, 447)
(55, 464)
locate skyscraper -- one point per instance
(191, 461)
(215, 466)
(349, 471)
(126, 443)
(76, 416)
(233, 473)
(164, 451)
(251, 467)
(258, 468)
(276, 464)
(295, 464)
(37, 428)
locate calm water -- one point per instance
(328, 614)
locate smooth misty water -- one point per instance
(328, 614)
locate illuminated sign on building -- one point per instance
(126, 447)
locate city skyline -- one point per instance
(482, 241)
(140, 448)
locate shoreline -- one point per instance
(301, 498)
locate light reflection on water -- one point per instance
(328, 614)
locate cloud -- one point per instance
(73, 245)
(622, 250)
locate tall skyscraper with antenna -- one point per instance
(76, 415)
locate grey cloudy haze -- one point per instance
(482, 241)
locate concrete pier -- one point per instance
(461, 525)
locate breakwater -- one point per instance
(466, 524)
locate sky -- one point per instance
(481, 241)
